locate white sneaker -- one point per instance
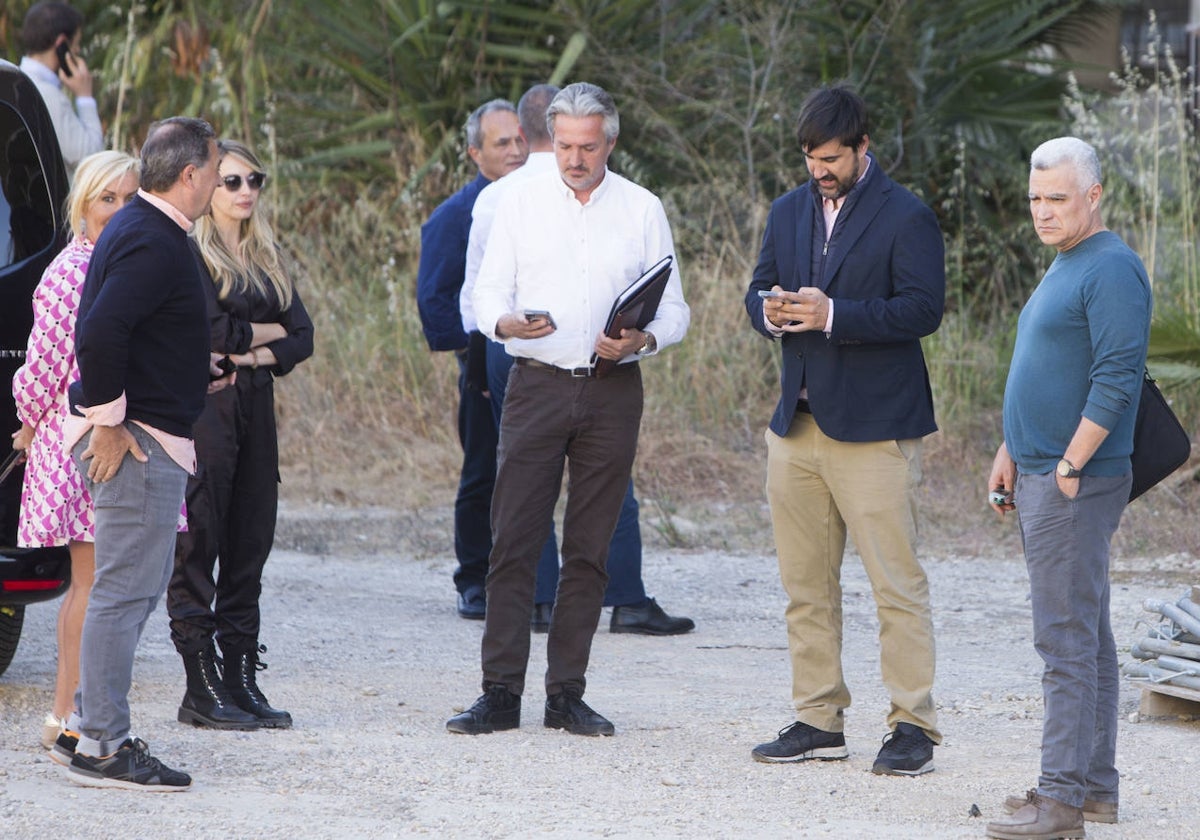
(51, 727)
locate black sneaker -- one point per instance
(131, 767)
(801, 742)
(569, 712)
(496, 710)
(64, 747)
(906, 751)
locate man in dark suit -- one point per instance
(851, 276)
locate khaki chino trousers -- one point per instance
(819, 490)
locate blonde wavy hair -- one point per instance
(94, 174)
(256, 264)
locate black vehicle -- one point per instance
(33, 189)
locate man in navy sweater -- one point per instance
(495, 145)
(142, 344)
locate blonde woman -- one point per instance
(259, 323)
(55, 507)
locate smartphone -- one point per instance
(226, 365)
(540, 315)
(999, 497)
(64, 50)
(769, 293)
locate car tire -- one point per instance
(11, 620)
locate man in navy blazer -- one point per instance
(851, 276)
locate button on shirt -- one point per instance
(546, 251)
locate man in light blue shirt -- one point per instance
(51, 35)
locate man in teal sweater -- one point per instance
(1069, 410)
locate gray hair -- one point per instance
(474, 126)
(584, 99)
(1079, 155)
(531, 110)
(172, 145)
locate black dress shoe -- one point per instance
(648, 619)
(539, 622)
(569, 712)
(473, 603)
(498, 709)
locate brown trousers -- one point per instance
(551, 419)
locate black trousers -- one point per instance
(552, 420)
(232, 502)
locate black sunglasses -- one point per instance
(255, 180)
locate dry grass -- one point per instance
(697, 491)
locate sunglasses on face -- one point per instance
(255, 181)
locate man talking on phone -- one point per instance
(566, 242)
(51, 35)
(858, 263)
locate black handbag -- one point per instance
(1160, 444)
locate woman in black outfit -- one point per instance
(260, 325)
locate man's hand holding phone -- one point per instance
(73, 71)
(799, 311)
(531, 323)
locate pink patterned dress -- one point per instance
(55, 506)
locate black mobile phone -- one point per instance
(224, 364)
(540, 314)
(63, 50)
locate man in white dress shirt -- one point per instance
(632, 610)
(565, 243)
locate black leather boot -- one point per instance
(241, 667)
(207, 701)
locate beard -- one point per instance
(836, 188)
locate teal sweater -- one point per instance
(1080, 351)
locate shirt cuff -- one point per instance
(771, 328)
(108, 414)
(829, 320)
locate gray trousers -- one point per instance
(137, 512)
(1066, 549)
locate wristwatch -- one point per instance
(650, 346)
(1066, 469)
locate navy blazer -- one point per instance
(885, 272)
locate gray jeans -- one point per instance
(137, 512)
(1066, 549)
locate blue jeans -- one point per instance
(624, 551)
(1067, 551)
(137, 512)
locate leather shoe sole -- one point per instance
(469, 724)
(195, 718)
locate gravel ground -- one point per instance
(368, 654)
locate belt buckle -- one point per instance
(581, 372)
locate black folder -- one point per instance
(635, 307)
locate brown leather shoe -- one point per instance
(1040, 818)
(1093, 810)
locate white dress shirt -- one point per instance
(547, 251)
(482, 215)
